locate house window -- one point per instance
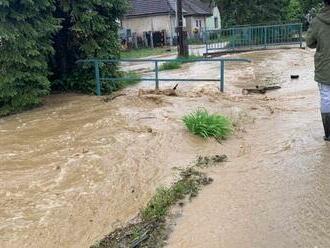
(198, 23)
(216, 22)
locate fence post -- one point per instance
(156, 75)
(222, 76)
(97, 77)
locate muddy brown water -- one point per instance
(277, 192)
(78, 167)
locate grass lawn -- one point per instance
(145, 52)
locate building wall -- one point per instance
(210, 21)
(146, 24)
(139, 25)
(195, 23)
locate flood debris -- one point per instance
(112, 97)
(208, 161)
(151, 228)
(260, 89)
(294, 76)
(166, 92)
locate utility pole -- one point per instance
(182, 35)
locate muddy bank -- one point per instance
(79, 167)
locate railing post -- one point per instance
(156, 75)
(97, 77)
(301, 36)
(265, 37)
(222, 76)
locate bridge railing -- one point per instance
(99, 77)
(253, 37)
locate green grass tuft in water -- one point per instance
(206, 125)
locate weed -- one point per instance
(206, 125)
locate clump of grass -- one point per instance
(190, 183)
(206, 125)
(172, 65)
(152, 230)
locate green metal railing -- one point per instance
(254, 37)
(99, 78)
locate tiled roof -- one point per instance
(154, 7)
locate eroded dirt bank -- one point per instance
(77, 168)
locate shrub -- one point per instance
(206, 125)
(25, 44)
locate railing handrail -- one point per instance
(163, 60)
(98, 78)
(253, 27)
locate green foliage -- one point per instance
(25, 43)
(143, 52)
(172, 65)
(237, 12)
(164, 198)
(89, 30)
(133, 77)
(206, 125)
(295, 10)
(40, 41)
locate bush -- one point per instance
(25, 44)
(203, 124)
(40, 42)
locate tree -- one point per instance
(41, 40)
(236, 12)
(25, 43)
(295, 10)
(89, 30)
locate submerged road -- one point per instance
(276, 191)
(77, 168)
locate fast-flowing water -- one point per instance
(276, 193)
(78, 167)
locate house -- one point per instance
(154, 21)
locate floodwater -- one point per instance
(276, 193)
(78, 167)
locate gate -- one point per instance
(253, 37)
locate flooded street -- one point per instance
(77, 168)
(275, 192)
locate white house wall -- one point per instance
(149, 23)
(210, 24)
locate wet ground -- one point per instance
(77, 168)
